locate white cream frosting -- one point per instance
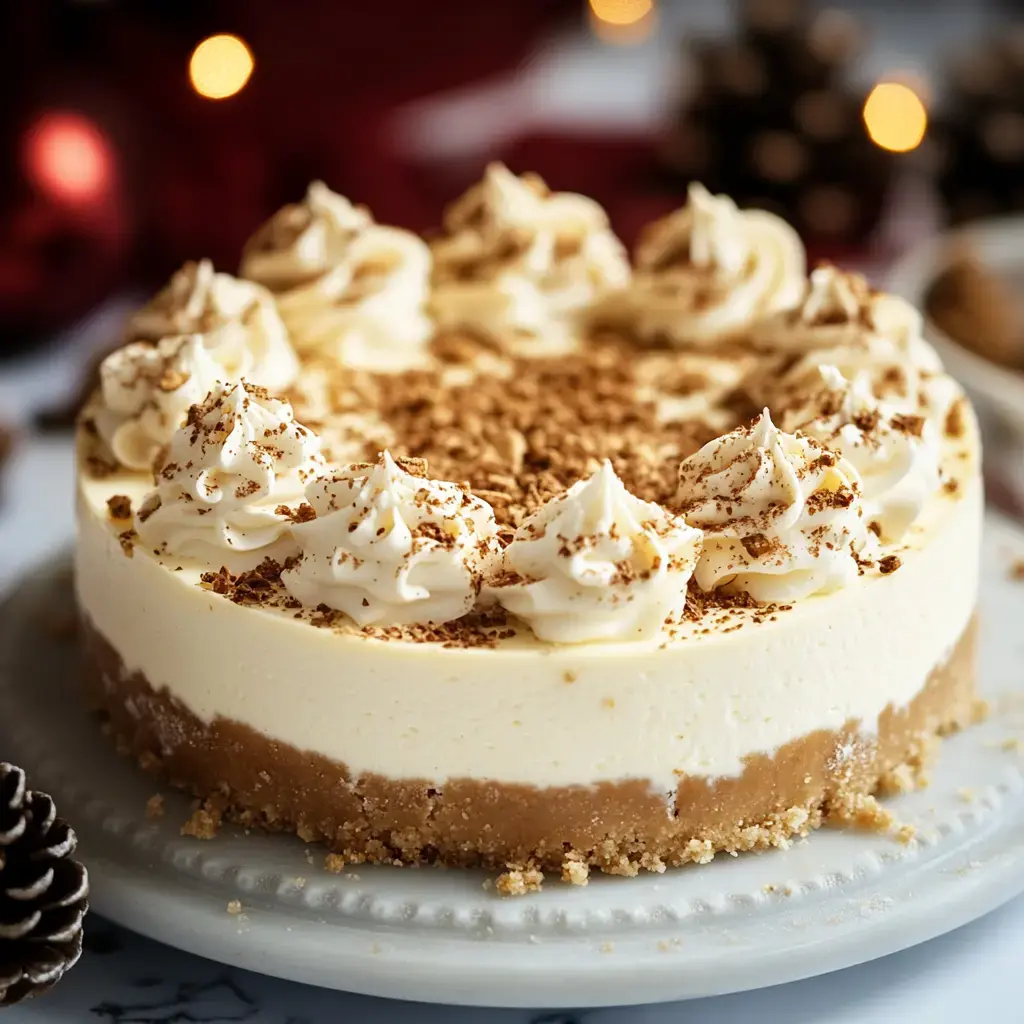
(935, 391)
(782, 516)
(521, 265)
(303, 241)
(896, 455)
(238, 320)
(707, 271)
(841, 322)
(900, 376)
(389, 547)
(145, 394)
(347, 287)
(836, 308)
(237, 459)
(598, 564)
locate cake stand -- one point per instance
(266, 904)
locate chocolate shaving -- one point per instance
(254, 586)
(522, 439)
(911, 425)
(956, 419)
(302, 513)
(757, 545)
(120, 506)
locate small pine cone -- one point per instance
(42, 891)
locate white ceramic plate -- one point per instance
(999, 244)
(835, 899)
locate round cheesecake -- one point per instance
(621, 607)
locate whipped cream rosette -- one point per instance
(842, 322)
(597, 563)
(935, 391)
(390, 547)
(896, 455)
(782, 515)
(145, 393)
(230, 471)
(347, 288)
(834, 308)
(705, 272)
(238, 320)
(521, 265)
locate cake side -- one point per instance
(619, 826)
(615, 757)
(733, 681)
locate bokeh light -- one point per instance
(68, 157)
(895, 117)
(623, 22)
(220, 66)
(621, 12)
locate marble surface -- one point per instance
(123, 979)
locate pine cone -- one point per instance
(977, 141)
(772, 121)
(42, 891)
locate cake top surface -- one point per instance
(531, 465)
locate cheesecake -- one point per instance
(571, 580)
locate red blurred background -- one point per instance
(116, 169)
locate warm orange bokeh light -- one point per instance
(623, 22)
(895, 117)
(220, 66)
(621, 12)
(68, 157)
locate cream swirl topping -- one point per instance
(843, 323)
(597, 563)
(303, 241)
(781, 514)
(708, 271)
(347, 287)
(238, 320)
(896, 455)
(390, 547)
(231, 469)
(520, 264)
(837, 307)
(145, 393)
(840, 309)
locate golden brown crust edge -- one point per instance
(616, 827)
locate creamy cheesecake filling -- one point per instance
(527, 712)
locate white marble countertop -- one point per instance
(971, 974)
